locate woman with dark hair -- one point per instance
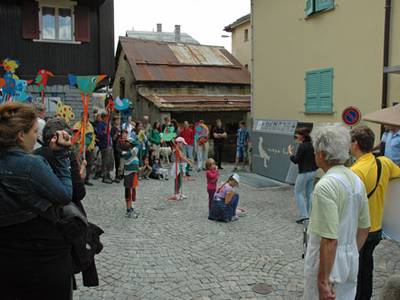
(35, 259)
(305, 159)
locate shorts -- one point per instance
(129, 180)
(241, 152)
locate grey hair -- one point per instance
(334, 141)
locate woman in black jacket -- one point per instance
(305, 159)
(35, 259)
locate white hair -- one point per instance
(334, 141)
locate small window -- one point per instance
(318, 91)
(315, 6)
(246, 66)
(122, 88)
(246, 35)
(56, 23)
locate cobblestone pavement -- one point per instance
(171, 251)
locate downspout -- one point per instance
(386, 45)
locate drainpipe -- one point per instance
(386, 44)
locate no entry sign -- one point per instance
(351, 115)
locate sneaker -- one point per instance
(234, 218)
(301, 221)
(235, 169)
(116, 180)
(87, 182)
(128, 213)
(107, 180)
(174, 197)
(220, 168)
(182, 196)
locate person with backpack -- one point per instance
(375, 173)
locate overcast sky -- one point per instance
(204, 20)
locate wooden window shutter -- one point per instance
(309, 8)
(30, 20)
(312, 83)
(82, 24)
(325, 90)
(319, 90)
(323, 4)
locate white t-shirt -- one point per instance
(41, 124)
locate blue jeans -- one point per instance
(223, 212)
(302, 192)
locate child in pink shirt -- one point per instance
(212, 179)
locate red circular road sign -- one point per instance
(351, 115)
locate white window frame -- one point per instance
(57, 4)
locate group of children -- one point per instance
(133, 170)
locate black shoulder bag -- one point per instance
(379, 164)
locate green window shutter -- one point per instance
(312, 84)
(309, 9)
(324, 4)
(319, 88)
(325, 90)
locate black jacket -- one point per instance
(305, 158)
(83, 258)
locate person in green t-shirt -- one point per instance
(339, 220)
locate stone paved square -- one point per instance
(172, 251)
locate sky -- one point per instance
(204, 20)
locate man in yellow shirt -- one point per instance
(366, 167)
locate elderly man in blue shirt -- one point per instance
(392, 146)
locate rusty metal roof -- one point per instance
(176, 62)
(200, 102)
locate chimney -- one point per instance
(159, 27)
(177, 33)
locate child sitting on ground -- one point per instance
(145, 170)
(212, 176)
(157, 172)
(131, 171)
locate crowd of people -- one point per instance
(39, 258)
(40, 248)
(345, 210)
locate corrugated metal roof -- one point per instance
(160, 61)
(200, 102)
(161, 36)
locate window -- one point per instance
(56, 23)
(314, 6)
(122, 88)
(246, 35)
(318, 91)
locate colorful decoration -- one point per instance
(109, 110)
(9, 66)
(90, 137)
(168, 134)
(20, 94)
(41, 81)
(65, 112)
(13, 88)
(87, 85)
(121, 104)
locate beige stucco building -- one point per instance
(313, 58)
(241, 40)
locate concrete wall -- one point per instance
(348, 39)
(394, 54)
(241, 49)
